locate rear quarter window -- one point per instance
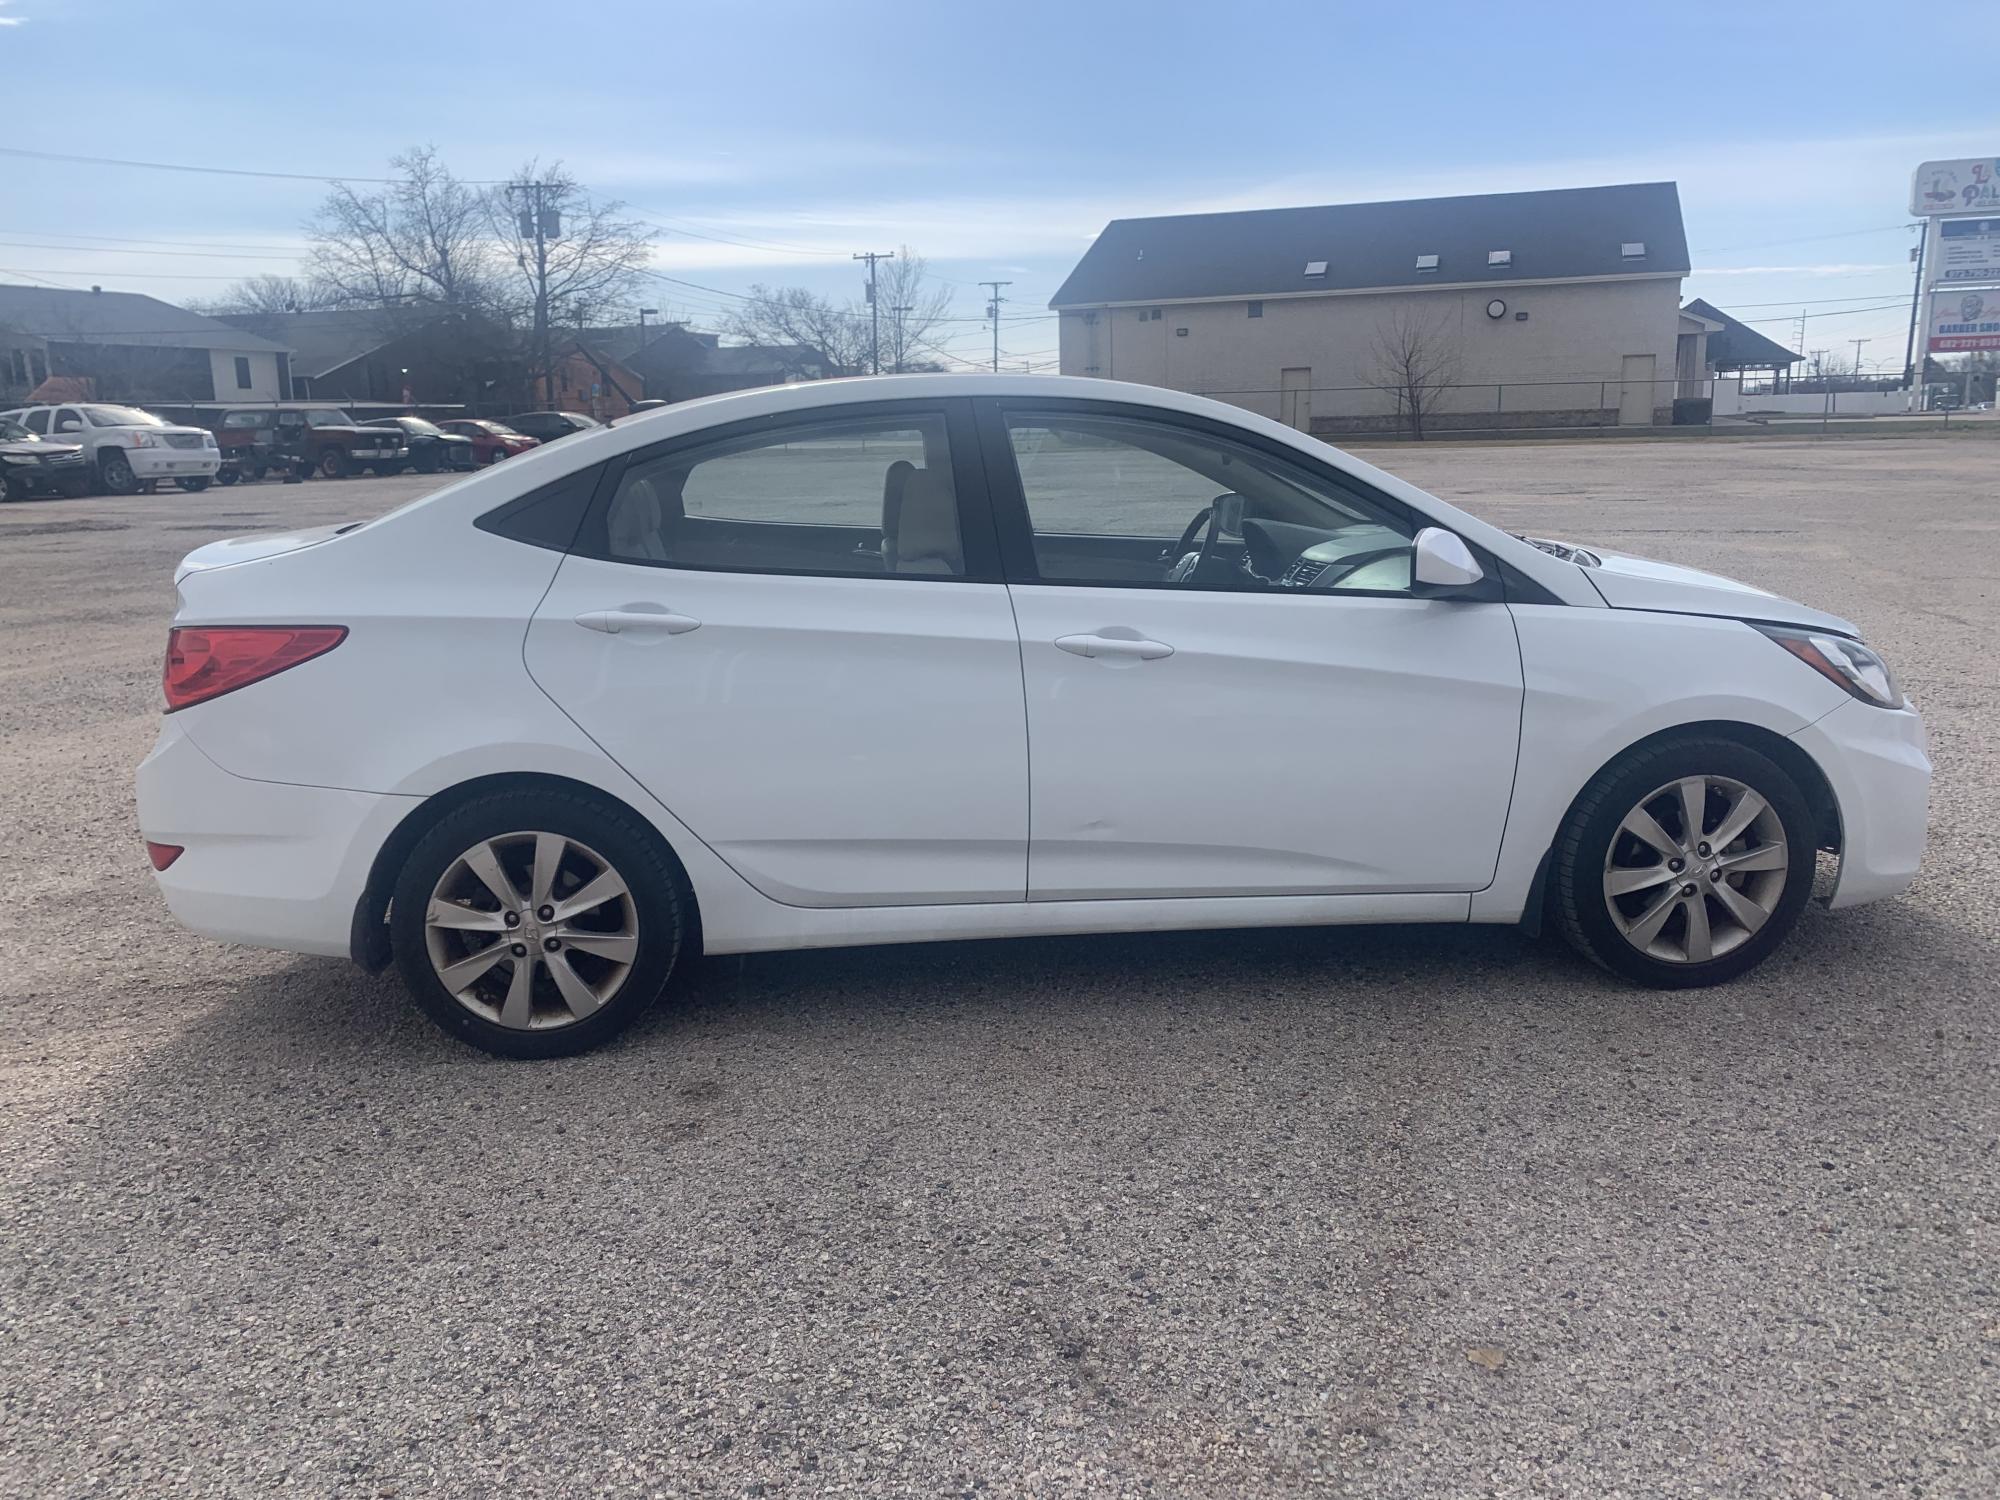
(549, 516)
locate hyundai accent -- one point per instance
(939, 657)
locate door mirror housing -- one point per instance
(1443, 563)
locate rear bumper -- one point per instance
(1879, 767)
(266, 863)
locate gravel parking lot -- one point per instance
(1395, 1212)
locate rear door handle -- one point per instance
(1124, 647)
(646, 619)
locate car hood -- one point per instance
(1629, 582)
(42, 449)
(256, 547)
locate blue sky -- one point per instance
(995, 140)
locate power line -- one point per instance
(169, 166)
(177, 254)
(117, 239)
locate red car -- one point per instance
(491, 441)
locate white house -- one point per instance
(132, 348)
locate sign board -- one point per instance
(1956, 187)
(1968, 251)
(1962, 322)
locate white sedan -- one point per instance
(934, 657)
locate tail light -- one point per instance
(206, 661)
(163, 855)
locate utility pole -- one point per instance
(645, 313)
(993, 312)
(1857, 343)
(1913, 372)
(535, 219)
(874, 315)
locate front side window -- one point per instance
(37, 421)
(838, 495)
(325, 418)
(247, 419)
(1141, 501)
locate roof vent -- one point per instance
(1633, 249)
(97, 289)
(1499, 257)
(1427, 262)
(1315, 268)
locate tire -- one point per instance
(656, 907)
(114, 470)
(11, 489)
(495, 456)
(1732, 882)
(333, 464)
(194, 484)
(227, 477)
(428, 464)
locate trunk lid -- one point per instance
(256, 547)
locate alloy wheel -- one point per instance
(531, 930)
(1695, 869)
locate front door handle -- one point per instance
(1128, 648)
(647, 619)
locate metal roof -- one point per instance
(1557, 234)
(1736, 347)
(63, 316)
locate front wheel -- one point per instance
(115, 471)
(1684, 863)
(194, 484)
(11, 489)
(333, 464)
(537, 924)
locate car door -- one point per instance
(792, 631)
(1267, 711)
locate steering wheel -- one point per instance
(1187, 566)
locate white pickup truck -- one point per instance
(128, 449)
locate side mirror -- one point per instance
(1443, 561)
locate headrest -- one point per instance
(927, 532)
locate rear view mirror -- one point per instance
(1443, 561)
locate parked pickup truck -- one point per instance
(306, 439)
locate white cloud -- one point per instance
(1843, 269)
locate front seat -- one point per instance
(892, 508)
(926, 539)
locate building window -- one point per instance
(1315, 268)
(242, 372)
(1427, 262)
(1499, 257)
(1256, 309)
(1633, 250)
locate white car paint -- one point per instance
(848, 761)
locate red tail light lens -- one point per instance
(163, 855)
(206, 661)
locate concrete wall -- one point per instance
(1730, 402)
(1564, 363)
(264, 384)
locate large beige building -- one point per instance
(1557, 308)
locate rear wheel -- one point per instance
(537, 924)
(1685, 863)
(11, 489)
(115, 470)
(228, 477)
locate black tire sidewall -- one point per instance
(333, 464)
(632, 849)
(117, 463)
(1594, 821)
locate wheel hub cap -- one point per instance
(1695, 869)
(531, 930)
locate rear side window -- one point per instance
(547, 517)
(247, 419)
(865, 495)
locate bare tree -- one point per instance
(1416, 360)
(269, 294)
(911, 305)
(576, 258)
(793, 318)
(421, 239)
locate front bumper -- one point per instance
(265, 863)
(1877, 761)
(173, 463)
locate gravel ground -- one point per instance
(1393, 1212)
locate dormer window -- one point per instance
(1427, 262)
(1315, 268)
(1499, 258)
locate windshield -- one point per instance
(120, 416)
(416, 424)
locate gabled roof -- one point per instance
(322, 342)
(1560, 234)
(1738, 347)
(128, 318)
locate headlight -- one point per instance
(208, 440)
(1848, 663)
(144, 440)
